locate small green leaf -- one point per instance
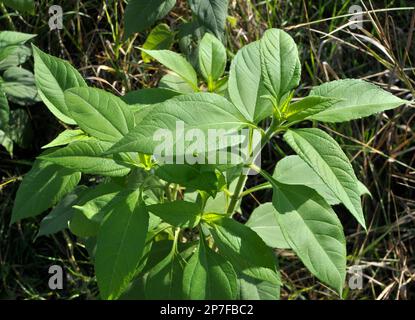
(177, 63)
(175, 83)
(67, 137)
(86, 157)
(141, 14)
(19, 86)
(209, 276)
(245, 250)
(120, 245)
(181, 214)
(99, 113)
(212, 58)
(323, 154)
(357, 99)
(12, 38)
(264, 222)
(4, 111)
(160, 38)
(42, 187)
(53, 76)
(281, 67)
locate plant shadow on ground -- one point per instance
(382, 148)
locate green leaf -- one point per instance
(4, 111)
(86, 157)
(313, 231)
(264, 222)
(99, 113)
(58, 219)
(42, 187)
(141, 14)
(212, 58)
(178, 213)
(53, 76)
(67, 137)
(165, 280)
(323, 154)
(120, 245)
(160, 38)
(20, 128)
(211, 14)
(177, 63)
(6, 142)
(19, 85)
(202, 111)
(173, 82)
(293, 170)
(307, 107)
(208, 276)
(21, 5)
(253, 289)
(358, 99)
(281, 66)
(12, 38)
(245, 250)
(245, 85)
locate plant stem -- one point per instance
(262, 186)
(236, 195)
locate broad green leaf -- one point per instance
(21, 5)
(313, 231)
(307, 107)
(141, 14)
(19, 86)
(174, 83)
(209, 276)
(165, 280)
(42, 187)
(211, 14)
(160, 38)
(4, 111)
(67, 137)
(245, 86)
(293, 170)
(193, 177)
(264, 222)
(253, 289)
(245, 250)
(177, 63)
(281, 67)
(6, 142)
(58, 219)
(86, 157)
(53, 76)
(358, 99)
(12, 38)
(323, 154)
(120, 245)
(201, 111)
(181, 214)
(99, 113)
(212, 58)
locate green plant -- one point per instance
(20, 5)
(165, 231)
(16, 85)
